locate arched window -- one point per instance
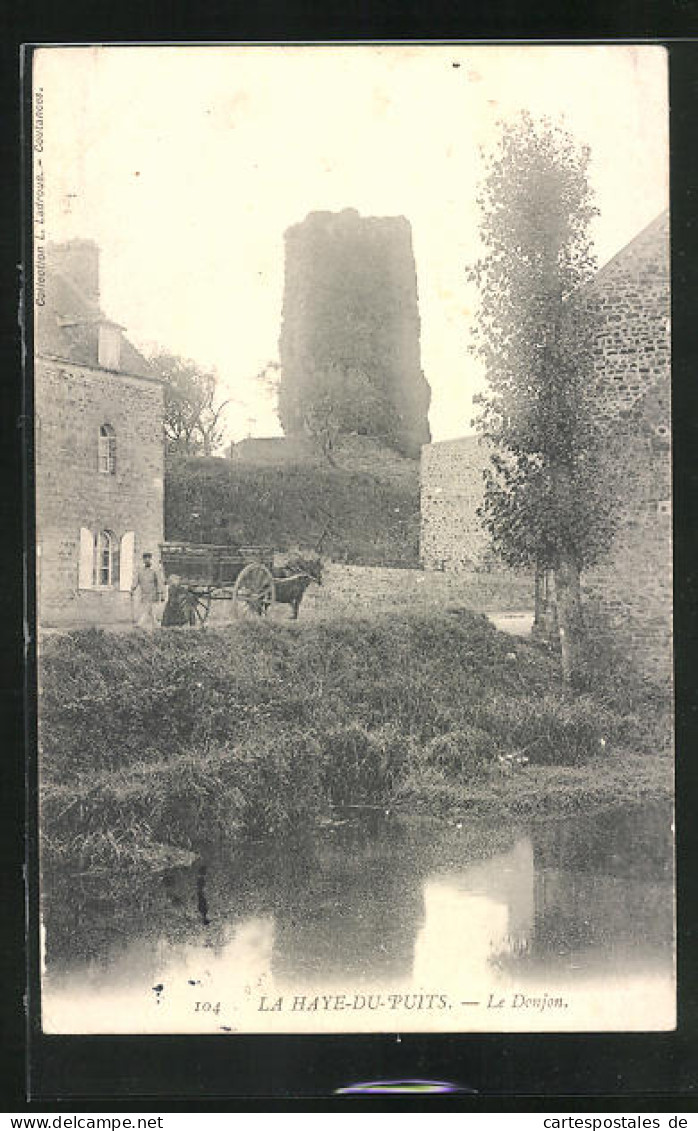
(106, 560)
(107, 450)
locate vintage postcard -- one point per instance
(353, 538)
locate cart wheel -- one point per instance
(254, 591)
(199, 608)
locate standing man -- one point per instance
(151, 592)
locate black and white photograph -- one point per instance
(353, 493)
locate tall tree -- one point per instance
(193, 412)
(549, 499)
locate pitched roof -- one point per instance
(631, 293)
(67, 327)
(646, 244)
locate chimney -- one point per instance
(77, 261)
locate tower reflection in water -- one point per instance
(471, 916)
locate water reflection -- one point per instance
(604, 901)
(473, 914)
(387, 908)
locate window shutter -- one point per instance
(126, 558)
(87, 549)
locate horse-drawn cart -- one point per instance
(203, 574)
(198, 574)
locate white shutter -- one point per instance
(87, 552)
(127, 553)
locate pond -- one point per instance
(379, 924)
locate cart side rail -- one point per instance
(206, 564)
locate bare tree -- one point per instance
(193, 412)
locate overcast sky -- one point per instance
(186, 165)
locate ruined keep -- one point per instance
(350, 331)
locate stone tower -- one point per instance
(351, 312)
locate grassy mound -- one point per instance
(178, 740)
(369, 502)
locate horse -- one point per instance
(292, 579)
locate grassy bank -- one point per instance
(155, 746)
(367, 504)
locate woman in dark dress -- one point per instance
(176, 611)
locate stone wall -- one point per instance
(72, 402)
(451, 490)
(632, 305)
(357, 590)
(351, 314)
(632, 585)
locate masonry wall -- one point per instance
(451, 490)
(72, 402)
(357, 590)
(632, 305)
(632, 585)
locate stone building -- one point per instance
(99, 451)
(632, 585)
